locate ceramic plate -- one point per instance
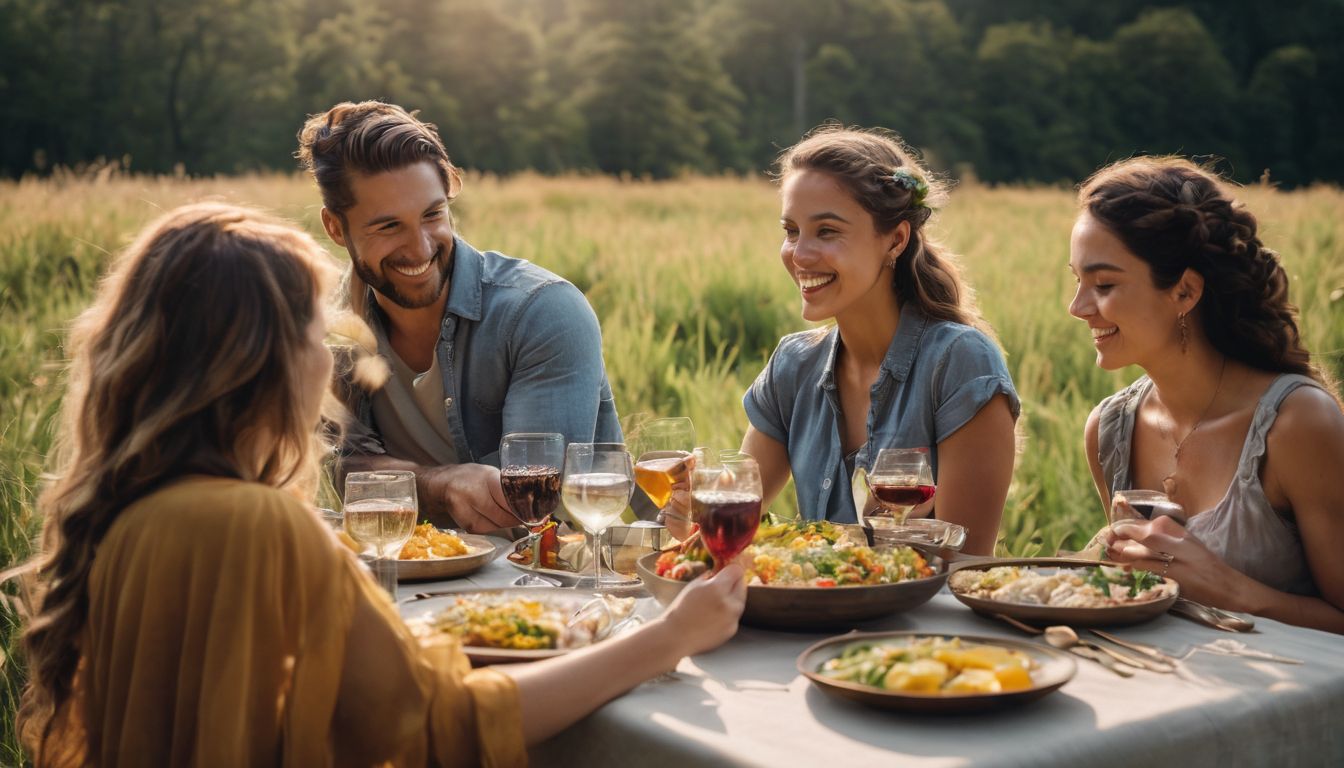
(480, 550)
(813, 608)
(1053, 669)
(1046, 615)
(420, 609)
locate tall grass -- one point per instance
(686, 280)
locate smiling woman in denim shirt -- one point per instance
(908, 363)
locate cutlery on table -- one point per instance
(1230, 647)
(1151, 651)
(1210, 616)
(1077, 650)
(1066, 637)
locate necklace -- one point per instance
(1169, 482)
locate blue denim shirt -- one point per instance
(935, 377)
(520, 350)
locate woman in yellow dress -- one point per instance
(195, 609)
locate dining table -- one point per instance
(746, 704)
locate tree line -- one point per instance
(1006, 91)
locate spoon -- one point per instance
(1076, 649)
(1069, 641)
(1064, 637)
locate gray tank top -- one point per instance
(1243, 529)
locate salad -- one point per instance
(806, 553)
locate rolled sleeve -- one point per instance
(971, 373)
(475, 715)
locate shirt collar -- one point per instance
(900, 353)
(464, 291)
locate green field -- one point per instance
(686, 280)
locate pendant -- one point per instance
(1169, 486)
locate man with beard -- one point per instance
(478, 344)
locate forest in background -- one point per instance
(1001, 91)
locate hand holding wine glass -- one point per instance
(662, 447)
(726, 499)
(596, 486)
(380, 511)
(901, 479)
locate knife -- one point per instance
(1210, 616)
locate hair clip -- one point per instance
(918, 187)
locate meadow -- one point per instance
(686, 280)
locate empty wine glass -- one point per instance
(380, 511)
(726, 499)
(901, 479)
(530, 474)
(596, 486)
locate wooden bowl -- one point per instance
(811, 608)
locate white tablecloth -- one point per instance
(745, 704)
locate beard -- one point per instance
(382, 282)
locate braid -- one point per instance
(1175, 215)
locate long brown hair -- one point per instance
(867, 163)
(1176, 215)
(183, 365)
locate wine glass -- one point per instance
(530, 474)
(663, 446)
(1139, 505)
(596, 487)
(726, 499)
(901, 479)
(380, 511)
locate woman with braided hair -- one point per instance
(1232, 419)
(908, 362)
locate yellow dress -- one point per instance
(218, 617)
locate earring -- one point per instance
(1184, 332)
(892, 264)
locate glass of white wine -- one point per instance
(380, 512)
(598, 481)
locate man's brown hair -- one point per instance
(368, 137)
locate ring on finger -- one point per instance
(1167, 558)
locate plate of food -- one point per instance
(811, 575)
(935, 674)
(520, 624)
(566, 559)
(1047, 591)
(434, 554)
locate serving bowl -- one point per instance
(813, 608)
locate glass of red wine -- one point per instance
(726, 503)
(901, 479)
(529, 474)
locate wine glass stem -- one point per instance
(597, 559)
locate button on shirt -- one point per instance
(935, 377)
(519, 350)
